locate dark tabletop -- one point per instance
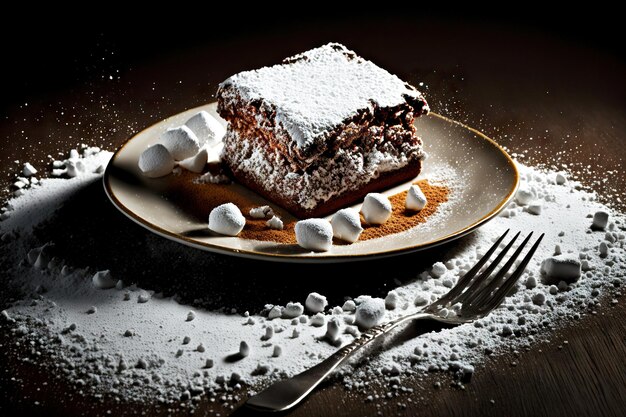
(554, 96)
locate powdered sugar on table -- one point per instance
(138, 345)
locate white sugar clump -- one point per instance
(315, 302)
(369, 312)
(181, 142)
(226, 219)
(156, 161)
(439, 269)
(535, 208)
(261, 212)
(74, 167)
(565, 267)
(244, 349)
(604, 250)
(64, 291)
(275, 312)
(420, 300)
(332, 329)
(103, 280)
(349, 306)
(415, 198)
(275, 223)
(28, 170)
(347, 225)
(317, 320)
(207, 128)
(539, 298)
(376, 208)
(269, 333)
(391, 300)
(314, 234)
(197, 162)
(292, 310)
(143, 297)
(600, 220)
(278, 350)
(524, 196)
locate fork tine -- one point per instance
(464, 281)
(476, 286)
(498, 297)
(481, 295)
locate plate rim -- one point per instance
(330, 258)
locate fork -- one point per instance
(478, 292)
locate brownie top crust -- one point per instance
(313, 94)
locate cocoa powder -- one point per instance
(200, 199)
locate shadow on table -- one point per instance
(88, 231)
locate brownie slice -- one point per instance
(320, 130)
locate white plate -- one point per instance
(481, 175)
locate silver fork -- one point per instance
(478, 292)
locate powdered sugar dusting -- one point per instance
(318, 90)
(143, 346)
(333, 176)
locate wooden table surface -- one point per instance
(552, 99)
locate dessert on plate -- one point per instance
(321, 130)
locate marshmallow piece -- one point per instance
(370, 312)
(226, 219)
(314, 234)
(275, 223)
(261, 212)
(181, 142)
(315, 302)
(347, 225)
(292, 310)
(600, 220)
(103, 280)
(207, 128)
(156, 161)
(524, 196)
(197, 162)
(29, 170)
(415, 198)
(565, 267)
(376, 208)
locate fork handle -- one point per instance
(287, 393)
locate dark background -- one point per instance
(46, 51)
(546, 83)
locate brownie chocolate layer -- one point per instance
(325, 126)
(331, 183)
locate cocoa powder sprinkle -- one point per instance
(200, 199)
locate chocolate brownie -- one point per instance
(320, 130)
